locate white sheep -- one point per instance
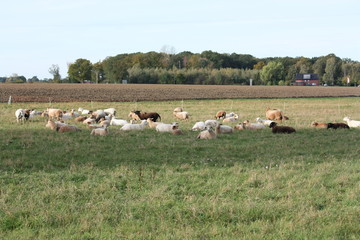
(223, 129)
(84, 111)
(22, 115)
(166, 127)
(232, 114)
(111, 111)
(70, 115)
(253, 126)
(117, 122)
(136, 127)
(263, 122)
(34, 113)
(181, 115)
(233, 118)
(89, 121)
(351, 123)
(211, 123)
(198, 126)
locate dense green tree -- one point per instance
(116, 68)
(33, 79)
(291, 73)
(332, 74)
(319, 67)
(80, 70)
(97, 75)
(272, 73)
(303, 65)
(242, 61)
(164, 67)
(259, 65)
(215, 58)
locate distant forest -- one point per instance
(207, 67)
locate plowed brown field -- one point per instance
(144, 92)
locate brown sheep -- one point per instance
(319, 125)
(80, 119)
(275, 114)
(176, 130)
(239, 126)
(281, 129)
(338, 125)
(143, 116)
(220, 114)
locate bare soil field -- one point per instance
(143, 92)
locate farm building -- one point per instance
(307, 79)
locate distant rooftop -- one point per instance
(307, 76)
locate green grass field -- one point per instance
(149, 185)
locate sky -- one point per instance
(35, 34)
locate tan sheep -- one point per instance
(105, 123)
(54, 113)
(319, 125)
(67, 128)
(100, 132)
(178, 109)
(275, 114)
(151, 123)
(208, 133)
(54, 125)
(181, 115)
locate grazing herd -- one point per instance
(99, 121)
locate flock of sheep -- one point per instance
(100, 120)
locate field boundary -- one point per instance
(160, 92)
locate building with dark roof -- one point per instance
(307, 79)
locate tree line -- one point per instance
(208, 67)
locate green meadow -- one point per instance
(150, 185)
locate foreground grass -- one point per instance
(147, 185)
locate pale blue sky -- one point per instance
(34, 34)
